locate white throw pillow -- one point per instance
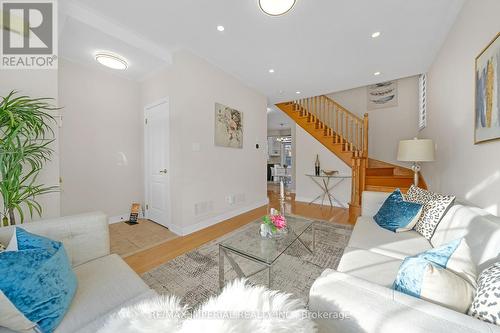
(445, 288)
(454, 256)
(460, 262)
(13, 242)
(423, 279)
(445, 275)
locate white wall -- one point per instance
(306, 148)
(386, 126)
(38, 83)
(472, 172)
(101, 141)
(209, 175)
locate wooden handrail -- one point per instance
(341, 107)
(330, 116)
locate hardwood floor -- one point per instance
(148, 259)
(314, 211)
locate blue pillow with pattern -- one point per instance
(38, 280)
(396, 214)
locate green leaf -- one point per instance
(25, 137)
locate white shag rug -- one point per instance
(240, 307)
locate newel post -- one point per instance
(365, 135)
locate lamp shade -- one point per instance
(416, 150)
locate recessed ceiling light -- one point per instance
(269, 109)
(297, 92)
(220, 28)
(376, 34)
(376, 73)
(276, 7)
(111, 60)
(271, 70)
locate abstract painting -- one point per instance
(382, 95)
(487, 106)
(228, 127)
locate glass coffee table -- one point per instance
(250, 245)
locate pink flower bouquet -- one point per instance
(274, 222)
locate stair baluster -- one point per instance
(348, 133)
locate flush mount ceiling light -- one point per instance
(220, 28)
(111, 60)
(276, 7)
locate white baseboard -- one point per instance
(175, 229)
(118, 218)
(327, 203)
(222, 217)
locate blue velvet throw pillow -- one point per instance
(38, 279)
(396, 214)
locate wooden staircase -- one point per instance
(346, 135)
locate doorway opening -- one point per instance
(280, 151)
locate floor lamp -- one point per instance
(416, 150)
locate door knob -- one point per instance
(163, 171)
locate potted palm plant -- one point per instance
(25, 138)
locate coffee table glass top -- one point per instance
(249, 242)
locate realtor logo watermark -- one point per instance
(29, 34)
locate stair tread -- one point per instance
(391, 176)
(379, 188)
(381, 168)
(380, 172)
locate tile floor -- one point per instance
(129, 239)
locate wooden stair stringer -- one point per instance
(317, 133)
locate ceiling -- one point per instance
(80, 42)
(319, 47)
(277, 119)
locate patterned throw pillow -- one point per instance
(435, 206)
(2, 247)
(486, 304)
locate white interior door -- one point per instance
(157, 144)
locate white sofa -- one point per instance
(361, 286)
(105, 282)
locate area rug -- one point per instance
(194, 276)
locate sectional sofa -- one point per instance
(105, 282)
(360, 288)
